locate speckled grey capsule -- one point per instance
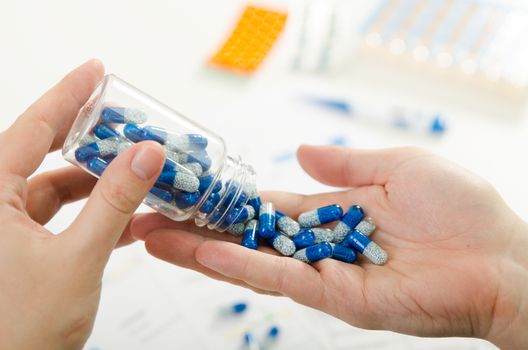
(237, 229)
(287, 225)
(366, 226)
(282, 244)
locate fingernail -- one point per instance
(147, 162)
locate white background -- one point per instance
(160, 47)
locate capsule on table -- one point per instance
(185, 199)
(104, 131)
(321, 216)
(366, 226)
(282, 244)
(251, 235)
(314, 253)
(267, 220)
(181, 179)
(96, 165)
(352, 217)
(342, 253)
(163, 194)
(304, 238)
(100, 148)
(237, 229)
(286, 224)
(365, 246)
(323, 234)
(121, 115)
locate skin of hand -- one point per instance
(457, 254)
(51, 283)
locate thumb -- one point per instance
(117, 194)
(346, 167)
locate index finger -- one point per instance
(25, 144)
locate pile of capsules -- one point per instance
(186, 176)
(305, 241)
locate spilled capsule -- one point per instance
(314, 253)
(251, 235)
(267, 220)
(282, 244)
(366, 226)
(365, 246)
(352, 217)
(342, 253)
(286, 224)
(321, 216)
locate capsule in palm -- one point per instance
(352, 217)
(323, 234)
(121, 115)
(321, 216)
(365, 246)
(267, 220)
(251, 235)
(314, 253)
(286, 224)
(282, 244)
(366, 226)
(342, 253)
(304, 238)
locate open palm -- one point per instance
(444, 229)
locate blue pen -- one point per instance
(396, 116)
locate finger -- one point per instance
(36, 129)
(118, 193)
(345, 167)
(49, 191)
(286, 276)
(179, 248)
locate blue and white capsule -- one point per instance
(314, 253)
(323, 234)
(103, 131)
(253, 197)
(304, 238)
(366, 226)
(175, 142)
(342, 253)
(251, 235)
(351, 219)
(282, 244)
(96, 165)
(101, 148)
(163, 194)
(365, 246)
(121, 115)
(267, 220)
(237, 229)
(321, 216)
(185, 199)
(180, 178)
(86, 140)
(194, 168)
(287, 225)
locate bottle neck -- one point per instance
(238, 181)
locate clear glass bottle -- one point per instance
(199, 180)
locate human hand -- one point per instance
(457, 264)
(51, 283)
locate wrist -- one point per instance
(510, 312)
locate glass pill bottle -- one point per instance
(199, 180)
